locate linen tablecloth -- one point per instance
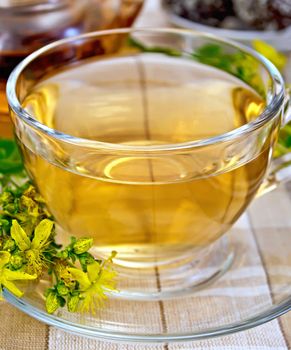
(20, 332)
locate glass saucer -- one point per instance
(255, 289)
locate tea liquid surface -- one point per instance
(138, 205)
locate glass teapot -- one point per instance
(26, 25)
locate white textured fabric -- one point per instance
(20, 332)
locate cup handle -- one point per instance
(280, 168)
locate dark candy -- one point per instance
(235, 14)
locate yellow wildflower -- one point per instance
(7, 276)
(93, 285)
(61, 270)
(277, 58)
(33, 249)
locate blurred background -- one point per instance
(26, 25)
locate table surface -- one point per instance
(19, 331)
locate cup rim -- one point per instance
(269, 112)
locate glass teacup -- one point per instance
(151, 141)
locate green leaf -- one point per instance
(10, 159)
(154, 49)
(85, 259)
(288, 141)
(210, 50)
(19, 236)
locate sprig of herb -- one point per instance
(239, 64)
(82, 289)
(28, 247)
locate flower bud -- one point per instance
(72, 304)
(64, 254)
(62, 289)
(6, 198)
(11, 207)
(9, 245)
(53, 302)
(16, 261)
(4, 224)
(82, 245)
